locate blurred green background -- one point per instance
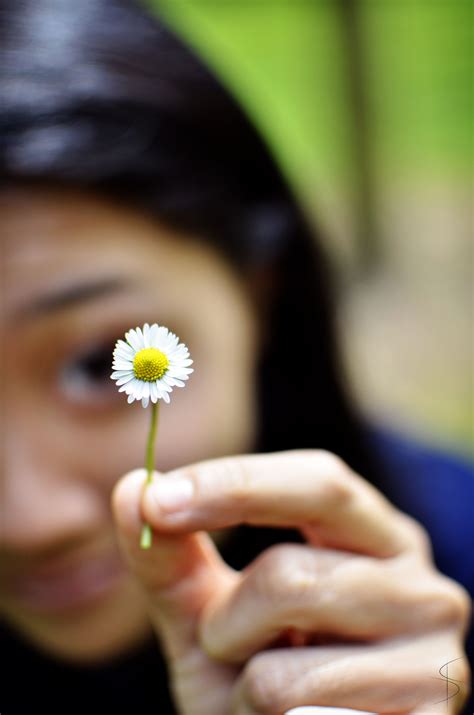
(367, 104)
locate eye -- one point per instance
(86, 378)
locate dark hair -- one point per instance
(98, 94)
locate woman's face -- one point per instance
(79, 273)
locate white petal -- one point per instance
(161, 385)
(172, 381)
(141, 338)
(161, 338)
(130, 399)
(132, 338)
(123, 380)
(173, 341)
(146, 335)
(145, 401)
(120, 373)
(180, 362)
(166, 397)
(122, 365)
(152, 334)
(122, 358)
(131, 386)
(126, 352)
(180, 351)
(135, 339)
(122, 361)
(180, 372)
(122, 345)
(129, 365)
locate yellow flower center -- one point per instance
(150, 364)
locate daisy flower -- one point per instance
(146, 366)
(149, 363)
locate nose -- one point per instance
(42, 508)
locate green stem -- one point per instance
(146, 535)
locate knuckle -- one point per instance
(330, 463)
(337, 493)
(236, 478)
(283, 576)
(337, 480)
(453, 604)
(324, 460)
(417, 534)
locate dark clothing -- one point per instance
(437, 489)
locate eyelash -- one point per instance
(86, 378)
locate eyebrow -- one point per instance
(70, 296)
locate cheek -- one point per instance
(205, 419)
(209, 418)
(105, 450)
(212, 416)
(215, 414)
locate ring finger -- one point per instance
(401, 676)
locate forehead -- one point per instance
(57, 227)
(54, 238)
(60, 245)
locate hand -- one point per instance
(365, 580)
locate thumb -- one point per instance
(179, 573)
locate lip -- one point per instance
(68, 585)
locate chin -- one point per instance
(93, 634)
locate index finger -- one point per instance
(312, 490)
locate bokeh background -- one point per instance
(367, 104)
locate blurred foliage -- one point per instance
(286, 61)
(283, 61)
(367, 105)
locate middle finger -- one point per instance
(324, 592)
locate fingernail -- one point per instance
(317, 710)
(171, 493)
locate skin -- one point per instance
(372, 617)
(69, 436)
